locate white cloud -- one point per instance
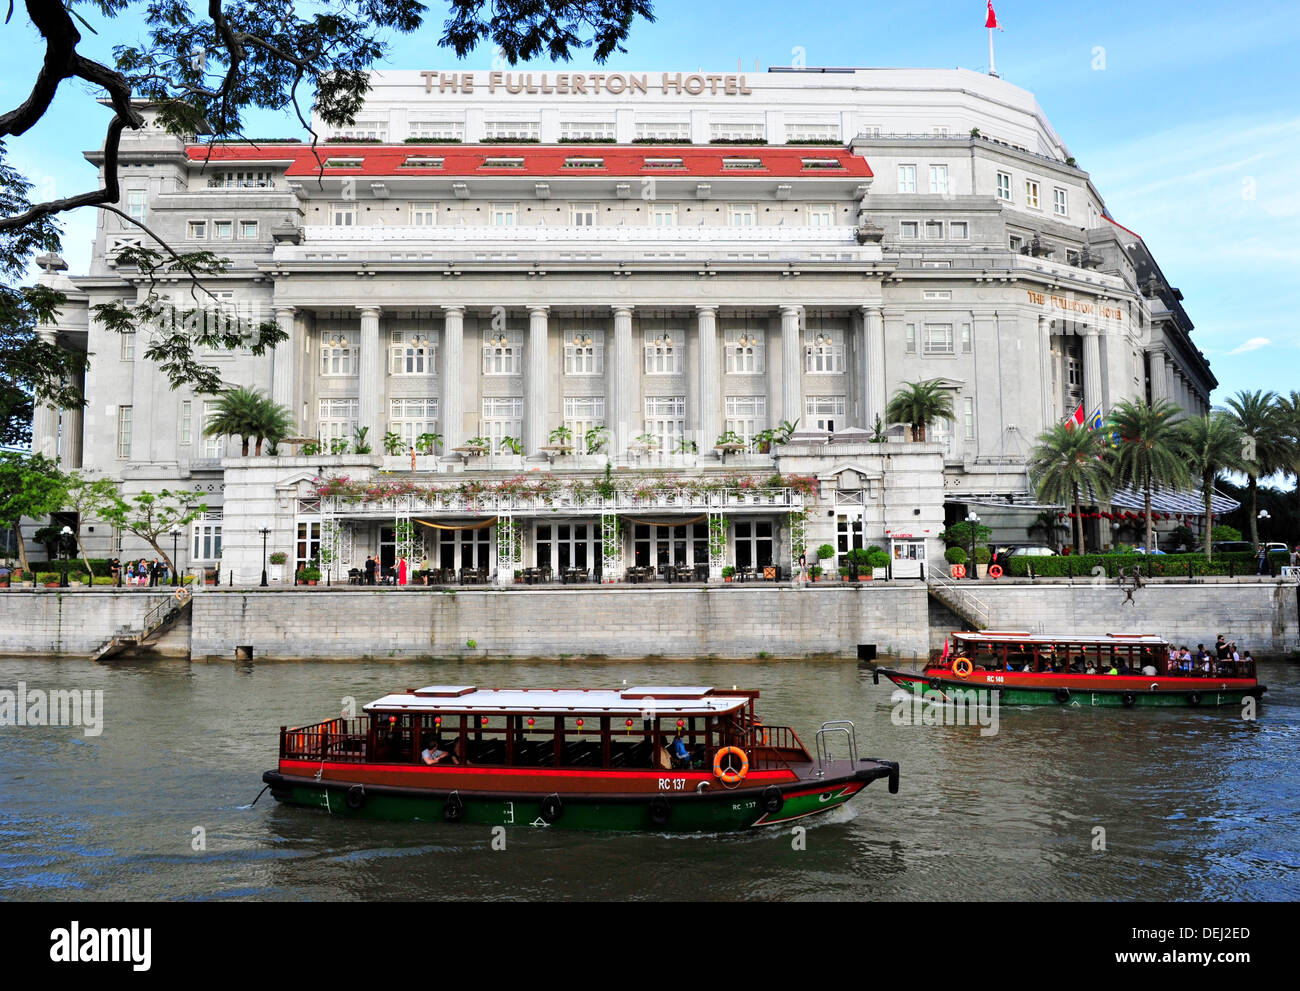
(1254, 344)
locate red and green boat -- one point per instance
(680, 759)
(1116, 669)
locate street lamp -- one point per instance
(973, 519)
(265, 532)
(64, 535)
(176, 533)
(1263, 518)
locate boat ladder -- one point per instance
(832, 730)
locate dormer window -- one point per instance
(664, 163)
(584, 163)
(422, 162)
(742, 163)
(822, 163)
(344, 163)
(501, 162)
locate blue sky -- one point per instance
(1188, 120)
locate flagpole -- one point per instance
(993, 71)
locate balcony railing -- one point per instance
(695, 234)
(454, 502)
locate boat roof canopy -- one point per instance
(1024, 636)
(663, 700)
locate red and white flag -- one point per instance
(944, 656)
(992, 20)
(1075, 419)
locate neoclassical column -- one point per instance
(72, 432)
(535, 383)
(1050, 416)
(1156, 373)
(283, 359)
(452, 411)
(45, 419)
(707, 376)
(622, 393)
(371, 378)
(791, 365)
(1091, 370)
(873, 324)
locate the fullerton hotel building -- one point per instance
(494, 265)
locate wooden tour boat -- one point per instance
(659, 758)
(1033, 669)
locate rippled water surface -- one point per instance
(1194, 804)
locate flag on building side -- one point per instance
(1096, 421)
(1075, 419)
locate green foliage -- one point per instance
(249, 415)
(278, 557)
(825, 551)
(955, 555)
(729, 437)
(918, 404)
(877, 558)
(728, 572)
(1151, 452)
(561, 436)
(1221, 532)
(1161, 565)
(511, 445)
(959, 534)
(393, 443)
(30, 486)
(150, 515)
(596, 438)
(983, 555)
(359, 443)
(426, 442)
(1067, 465)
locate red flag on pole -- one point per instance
(944, 656)
(992, 20)
(1075, 419)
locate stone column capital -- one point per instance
(284, 312)
(792, 310)
(711, 309)
(539, 311)
(455, 310)
(369, 310)
(622, 311)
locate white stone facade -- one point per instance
(673, 260)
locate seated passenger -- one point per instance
(434, 754)
(1112, 669)
(1124, 668)
(1150, 670)
(681, 756)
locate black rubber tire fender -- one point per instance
(355, 798)
(1062, 695)
(552, 808)
(771, 800)
(1193, 698)
(453, 810)
(1129, 700)
(660, 810)
(936, 684)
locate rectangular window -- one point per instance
(137, 204)
(664, 215)
(1004, 186)
(934, 230)
(663, 131)
(372, 130)
(829, 133)
(932, 295)
(583, 214)
(741, 164)
(124, 432)
(907, 178)
(599, 130)
(241, 180)
(824, 355)
(582, 413)
(128, 346)
(424, 214)
(821, 215)
(1031, 194)
(517, 130)
(909, 339)
(503, 355)
(742, 215)
(966, 338)
(502, 417)
(737, 131)
(665, 420)
(443, 130)
(206, 536)
(186, 422)
(968, 417)
(1015, 242)
(338, 420)
(663, 354)
(1060, 202)
(409, 418)
(744, 353)
(411, 352)
(584, 355)
(909, 230)
(213, 447)
(196, 230)
(338, 358)
(958, 230)
(824, 412)
(938, 338)
(343, 214)
(308, 544)
(939, 179)
(248, 230)
(503, 214)
(223, 230)
(746, 415)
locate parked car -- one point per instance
(1003, 553)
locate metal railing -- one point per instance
(338, 739)
(957, 597)
(832, 729)
(164, 610)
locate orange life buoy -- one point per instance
(962, 667)
(995, 571)
(958, 571)
(732, 775)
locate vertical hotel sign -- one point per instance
(588, 83)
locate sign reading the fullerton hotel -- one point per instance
(588, 83)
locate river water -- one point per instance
(1193, 804)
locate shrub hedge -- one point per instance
(1156, 565)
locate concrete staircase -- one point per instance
(161, 617)
(957, 599)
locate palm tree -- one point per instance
(1288, 412)
(1067, 463)
(238, 414)
(919, 404)
(1263, 446)
(1213, 444)
(1149, 453)
(274, 423)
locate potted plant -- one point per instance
(595, 439)
(310, 573)
(879, 561)
(277, 565)
(763, 440)
(824, 553)
(814, 571)
(728, 573)
(393, 443)
(844, 573)
(955, 556)
(426, 442)
(511, 445)
(982, 558)
(859, 564)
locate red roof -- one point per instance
(542, 160)
(1122, 227)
